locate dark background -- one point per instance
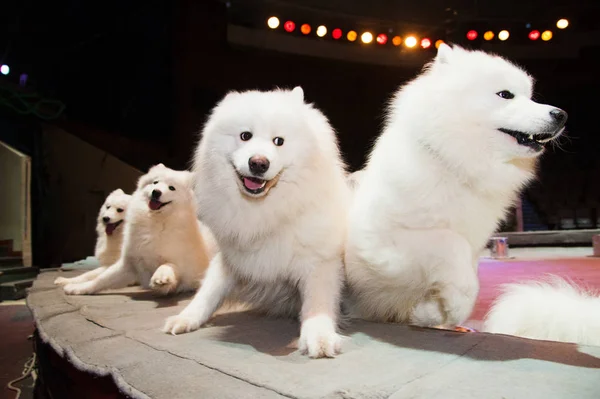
(151, 70)
(139, 77)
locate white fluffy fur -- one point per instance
(553, 310)
(108, 243)
(163, 249)
(280, 252)
(438, 181)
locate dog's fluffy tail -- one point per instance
(551, 309)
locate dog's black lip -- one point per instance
(524, 140)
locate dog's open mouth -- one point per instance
(111, 227)
(257, 186)
(155, 204)
(534, 141)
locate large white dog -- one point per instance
(109, 230)
(163, 247)
(271, 186)
(459, 143)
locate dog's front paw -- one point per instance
(318, 337)
(181, 324)
(62, 281)
(164, 280)
(77, 289)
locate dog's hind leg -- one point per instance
(453, 280)
(118, 275)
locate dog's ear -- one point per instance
(444, 54)
(144, 180)
(230, 94)
(118, 191)
(298, 93)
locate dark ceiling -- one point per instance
(435, 12)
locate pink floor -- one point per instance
(492, 274)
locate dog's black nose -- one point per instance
(559, 115)
(156, 194)
(258, 165)
(106, 219)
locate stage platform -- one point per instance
(116, 335)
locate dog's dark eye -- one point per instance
(505, 94)
(119, 210)
(155, 182)
(107, 206)
(278, 141)
(171, 188)
(245, 136)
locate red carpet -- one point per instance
(492, 274)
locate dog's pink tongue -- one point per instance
(252, 184)
(110, 228)
(154, 204)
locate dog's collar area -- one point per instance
(111, 227)
(533, 141)
(156, 204)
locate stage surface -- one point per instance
(240, 355)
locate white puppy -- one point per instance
(553, 310)
(271, 186)
(109, 228)
(459, 143)
(163, 248)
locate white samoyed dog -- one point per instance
(163, 247)
(109, 228)
(459, 143)
(553, 310)
(270, 185)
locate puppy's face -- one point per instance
(162, 188)
(262, 136)
(113, 211)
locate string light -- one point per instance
(273, 22)
(562, 23)
(534, 35)
(305, 29)
(410, 42)
(4, 69)
(546, 35)
(366, 37)
(321, 31)
(382, 38)
(289, 26)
